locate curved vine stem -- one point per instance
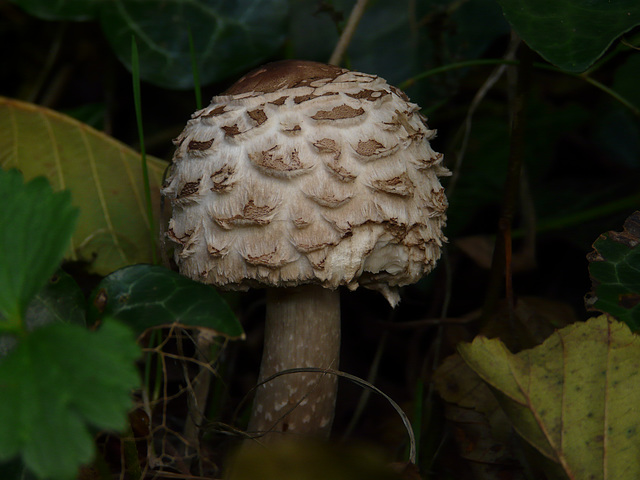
(465, 131)
(542, 66)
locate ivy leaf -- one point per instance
(61, 9)
(104, 175)
(388, 44)
(228, 37)
(35, 228)
(59, 384)
(61, 300)
(145, 296)
(614, 266)
(571, 34)
(573, 398)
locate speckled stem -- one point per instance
(302, 330)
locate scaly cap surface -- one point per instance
(307, 173)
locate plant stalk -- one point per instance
(135, 71)
(501, 263)
(349, 30)
(302, 330)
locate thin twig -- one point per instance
(477, 99)
(629, 44)
(135, 73)
(432, 322)
(543, 66)
(427, 401)
(500, 277)
(366, 393)
(199, 388)
(46, 69)
(529, 218)
(349, 30)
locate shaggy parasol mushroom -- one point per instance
(300, 178)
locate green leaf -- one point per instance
(483, 170)
(574, 397)
(104, 175)
(388, 42)
(384, 42)
(571, 34)
(312, 28)
(228, 37)
(145, 296)
(626, 78)
(614, 266)
(60, 383)
(61, 9)
(35, 228)
(61, 300)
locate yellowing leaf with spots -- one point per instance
(104, 176)
(574, 398)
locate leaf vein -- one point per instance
(100, 193)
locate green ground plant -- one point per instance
(113, 366)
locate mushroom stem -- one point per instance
(302, 330)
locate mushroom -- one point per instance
(301, 178)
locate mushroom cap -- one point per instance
(306, 173)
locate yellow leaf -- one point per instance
(104, 176)
(481, 429)
(574, 398)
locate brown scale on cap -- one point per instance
(303, 173)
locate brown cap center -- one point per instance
(282, 75)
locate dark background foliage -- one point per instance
(581, 152)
